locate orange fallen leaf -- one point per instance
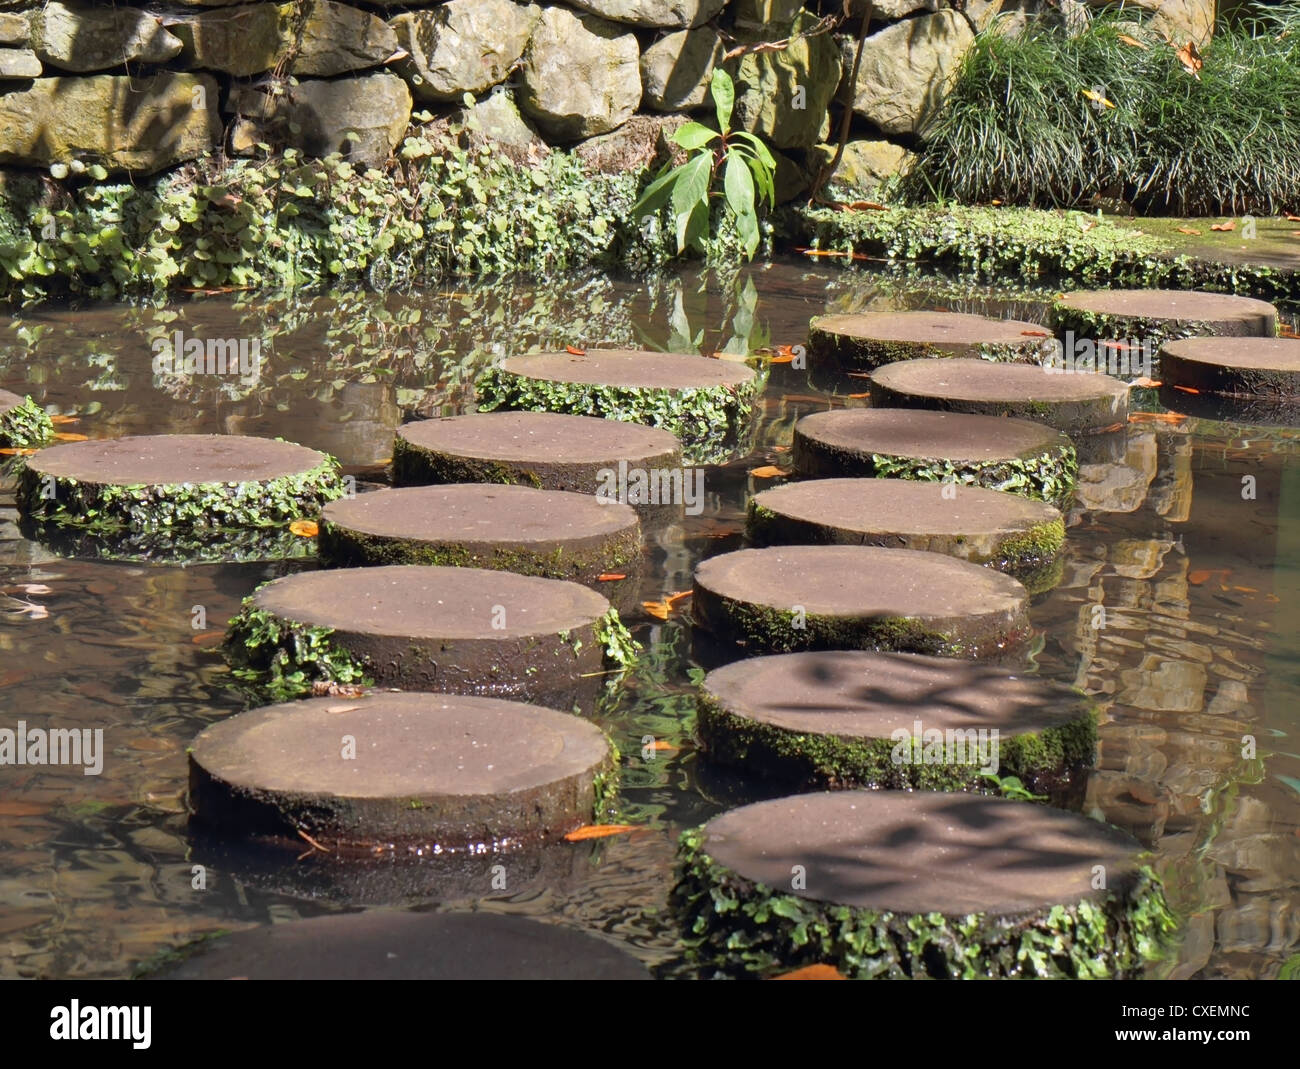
(780, 360)
(1190, 57)
(659, 744)
(673, 599)
(1036, 333)
(1096, 98)
(995, 202)
(304, 528)
(58, 420)
(812, 972)
(1224, 227)
(610, 577)
(1287, 332)
(658, 609)
(1246, 589)
(207, 638)
(64, 436)
(855, 396)
(1149, 383)
(767, 471)
(1187, 230)
(865, 206)
(1112, 427)
(833, 252)
(1200, 575)
(598, 831)
(1132, 41)
(17, 451)
(573, 350)
(1187, 389)
(1156, 417)
(1291, 218)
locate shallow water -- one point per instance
(97, 874)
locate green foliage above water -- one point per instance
(1045, 118)
(25, 425)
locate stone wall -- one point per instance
(139, 87)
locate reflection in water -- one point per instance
(1178, 608)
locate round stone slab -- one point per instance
(177, 482)
(905, 884)
(1011, 533)
(545, 450)
(423, 627)
(845, 718)
(863, 342)
(387, 945)
(788, 598)
(551, 533)
(1157, 315)
(1073, 403)
(400, 771)
(23, 423)
(1234, 367)
(1001, 454)
(705, 403)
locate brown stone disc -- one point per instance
(390, 769)
(869, 340)
(385, 945)
(1073, 403)
(1015, 534)
(424, 627)
(1111, 313)
(918, 853)
(550, 533)
(546, 450)
(828, 718)
(917, 444)
(1234, 367)
(788, 598)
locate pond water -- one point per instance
(1200, 584)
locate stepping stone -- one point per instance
(705, 403)
(844, 718)
(790, 598)
(390, 772)
(507, 528)
(23, 423)
(897, 884)
(1013, 534)
(384, 945)
(1014, 455)
(1076, 404)
(863, 342)
(1234, 367)
(1159, 315)
(423, 627)
(179, 494)
(545, 450)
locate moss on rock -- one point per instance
(25, 425)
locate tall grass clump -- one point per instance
(1047, 120)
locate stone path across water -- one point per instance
(1234, 367)
(1162, 314)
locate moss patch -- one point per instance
(734, 927)
(25, 425)
(278, 660)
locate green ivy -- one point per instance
(25, 425)
(278, 659)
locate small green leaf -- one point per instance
(724, 96)
(693, 136)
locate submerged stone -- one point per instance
(846, 718)
(892, 884)
(790, 598)
(394, 772)
(1013, 455)
(1075, 403)
(381, 945)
